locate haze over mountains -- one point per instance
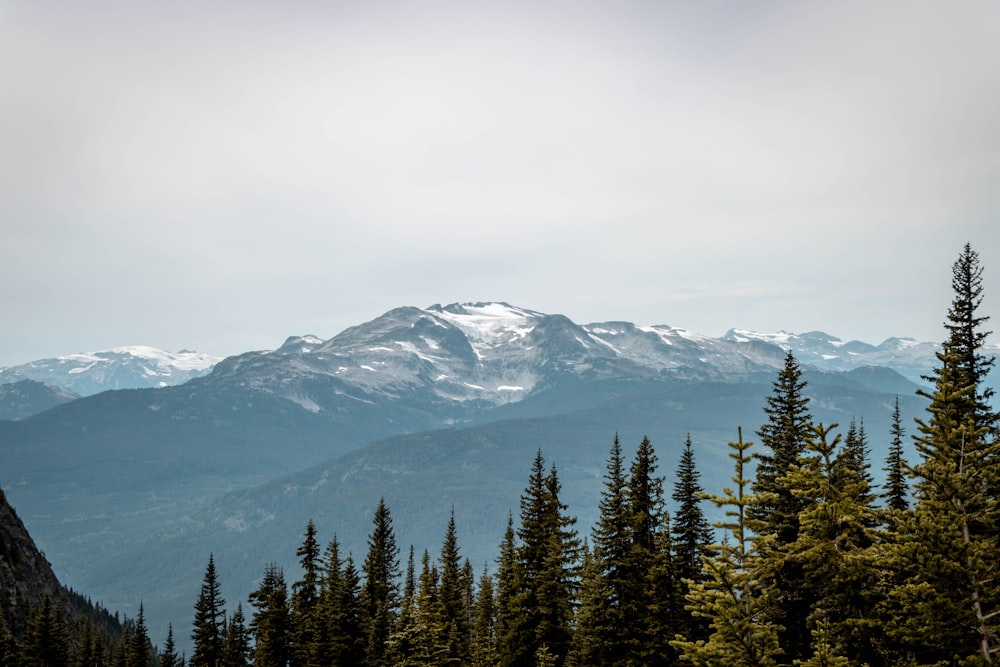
(128, 491)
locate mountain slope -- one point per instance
(28, 397)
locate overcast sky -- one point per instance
(220, 175)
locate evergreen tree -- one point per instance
(728, 594)
(835, 548)
(380, 591)
(453, 604)
(896, 491)
(238, 652)
(966, 340)
(947, 551)
(139, 649)
(609, 583)
(336, 640)
(651, 603)
(785, 435)
(692, 534)
(546, 573)
(305, 595)
(484, 641)
(824, 654)
(508, 583)
(168, 656)
(590, 636)
(400, 641)
(46, 643)
(8, 647)
(271, 623)
(209, 619)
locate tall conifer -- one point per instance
(380, 591)
(207, 631)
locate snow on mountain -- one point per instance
(910, 358)
(131, 367)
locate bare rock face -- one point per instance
(25, 575)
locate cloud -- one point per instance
(338, 159)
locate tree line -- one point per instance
(812, 563)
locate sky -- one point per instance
(218, 176)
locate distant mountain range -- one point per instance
(134, 367)
(129, 490)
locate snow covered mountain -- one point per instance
(908, 357)
(461, 359)
(478, 356)
(135, 367)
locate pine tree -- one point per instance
(209, 619)
(785, 435)
(238, 652)
(610, 583)
(400, 641)
(168, 656)
(507, 600)
(728, 594)
(271, 622)
(139, 649)
(896, 491)
(452, 592)
(484, 640)
(947, 552)
(340, 639)
(590, 635)
(46, 643)
(651, 604)
(8, 647)
(692, 534)
(380, 591)
(834, 548)
(305, 595)
(546, 572)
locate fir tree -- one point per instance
(947, 551)
(546, 572)
(609, 583)
(507, 611)
(380, 591)
(896, 491)
(209, 619)
(484, 640)
(453, 604)
(271, 622)
(834, 548)
(785, 435)
(728, 594)
(168, 656)
(692, 534)
(238, 652)
(651, 602)
(46, 643)
(305, 595)
(139, 648)
(590, 636)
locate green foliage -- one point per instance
(271, 624)
(208, 628)
(896, 490)
(380, 592)
(728, 594)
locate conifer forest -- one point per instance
(813, 563)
